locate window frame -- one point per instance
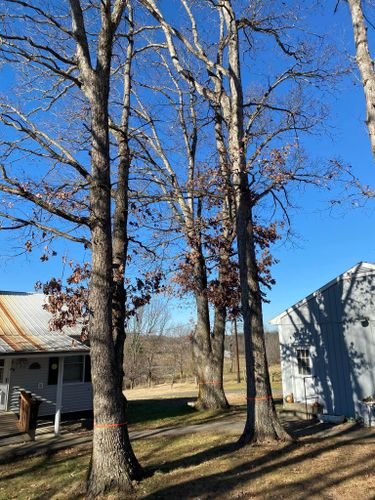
(82, 364)
(304, 361)
(86, 371)
(2, 368)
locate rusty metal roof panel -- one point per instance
(24, 327)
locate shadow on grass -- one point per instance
(176, 409)
(147, 410)
(64, 467)
(263, 462)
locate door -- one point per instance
(304, 379)
(4, 382)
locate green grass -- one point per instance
(155, 409)
(154, 413)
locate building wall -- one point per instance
(76, 396)
(338, 325)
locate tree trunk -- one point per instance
(208, 354)
(365, 65)
(120, 252)
(262, 423)
(237, 351)
(113, 464)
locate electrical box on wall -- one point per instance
(40, 385)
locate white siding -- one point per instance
(76, 397)
(339, 324)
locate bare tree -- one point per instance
(134, 360)
(215, 74)
(145, 328)
(365, 63)
(180, 349)
(202, 214)
(70, 193)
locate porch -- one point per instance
(9, 431)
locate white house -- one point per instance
(52, 365)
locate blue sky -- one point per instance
(326, 243)
(330, 241)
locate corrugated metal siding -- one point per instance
(333, 322)
(76, 397)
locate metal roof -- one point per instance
(360, 269)
(24, 327)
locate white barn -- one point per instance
(52, 365)
(327, 343)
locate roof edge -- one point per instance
(276, 319)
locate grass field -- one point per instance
(337, 463)
(206, 466)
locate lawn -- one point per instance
(206, 466)
(329, 463)
(163, 405)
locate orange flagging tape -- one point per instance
(215, 382)
(264, 398)
(108, 426)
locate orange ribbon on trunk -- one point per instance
(212, 382)
(109, 426)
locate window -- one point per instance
(34, 366)
(53, 370)
(77, 369)
(87, 369)
(73, 369)
(2, 371)
(304, 361)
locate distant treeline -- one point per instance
(155, 359)
(272, 346)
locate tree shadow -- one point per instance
(146, 410)
(264, 465)
(335, 324)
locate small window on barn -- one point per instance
(304, 361)
(73, 369)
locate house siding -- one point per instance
(76, 396)
(338, 324)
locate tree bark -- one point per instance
(208, 353)
(237, 351)
(365, 65)
(262, 423)
(113, 464)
